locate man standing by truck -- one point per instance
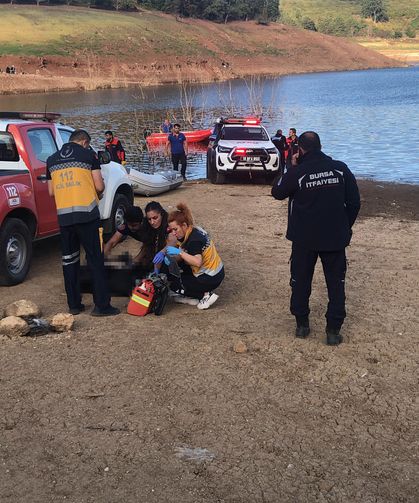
(75, 181)
(115, 148)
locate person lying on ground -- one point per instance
(202, 268)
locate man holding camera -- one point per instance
(323, 205)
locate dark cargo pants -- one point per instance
(87, 235)
(303, 262)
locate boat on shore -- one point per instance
(151, 184)
(191, 136)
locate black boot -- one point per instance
(303, 327)
(333, 337)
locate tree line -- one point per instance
(213, 10)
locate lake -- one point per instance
(368, 119)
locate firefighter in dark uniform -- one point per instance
(280, 142)
(322, 208)
(115, 148)
(75, 180)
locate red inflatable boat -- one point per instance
(191, 136)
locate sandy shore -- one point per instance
(103, 413)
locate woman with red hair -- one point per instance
(202, 268)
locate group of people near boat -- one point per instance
(167, 237)
(176, 146)
(324, 202)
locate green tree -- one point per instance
(374, 9)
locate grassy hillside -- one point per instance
(66, 31)
(57, 48)
(403, 14)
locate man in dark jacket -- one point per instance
(323, 205)
(115, 148)
(280, 143)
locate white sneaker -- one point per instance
(207, 301)
(182, 299)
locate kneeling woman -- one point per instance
(154, 233)
(202, 268)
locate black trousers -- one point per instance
(303, 262)
(176, 158)
(87, 235)
(196, 287)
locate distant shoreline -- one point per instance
(36, 84)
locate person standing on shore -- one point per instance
(292, 144)
(178, 145)
(76, 183)
(115, 148)
(280, 143)
(166, 127)
(323, 205)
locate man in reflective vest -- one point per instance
(115, 148)
(75, 181)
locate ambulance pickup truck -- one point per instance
(27, 212)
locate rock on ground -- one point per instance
(240, 347)
(62, 322)
(23, 308)
(12, 326)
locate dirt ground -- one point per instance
(106, 413)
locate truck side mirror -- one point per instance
(104, 157)
(212, 137)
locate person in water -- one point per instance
(202, 270)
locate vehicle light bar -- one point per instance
(248, 121)
(240, 151)
(252, 122)
(43, 116)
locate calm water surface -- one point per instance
(368, 119)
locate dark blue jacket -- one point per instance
(323, 202)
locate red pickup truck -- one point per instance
(27, 212)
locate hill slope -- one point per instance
(69, 48)
(402, 13)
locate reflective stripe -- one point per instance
(64, 257)
(70, 165)
(140, 300)
(209, 272)
(72, 262)
(72, 209)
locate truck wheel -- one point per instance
(119, 207)
(213, 174)
(15, 251)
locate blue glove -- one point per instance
(158, 258)
(167, 261)
(172, 250)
